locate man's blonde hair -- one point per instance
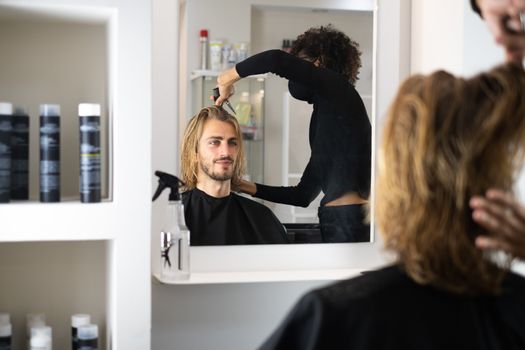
(445, 140)
(190, 146)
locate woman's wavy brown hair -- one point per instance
(190, 146)
(445, 140)
(333, 48)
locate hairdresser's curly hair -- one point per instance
(445, 140)
(333, 48)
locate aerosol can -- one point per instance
(175, 237)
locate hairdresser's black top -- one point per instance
(385, 309)
(229, 220)
(340, 131)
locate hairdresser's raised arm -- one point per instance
(504, 217)
(225, 83)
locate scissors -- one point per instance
(216, 95)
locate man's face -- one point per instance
(218, 148)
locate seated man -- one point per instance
(212, 162)
(445, 140)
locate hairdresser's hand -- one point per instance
(247, 187)
(504, 218)
(225, 84)
(495, 13)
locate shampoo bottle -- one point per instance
(90, 162)
(77, 321)
(41, 338)
(88, 337)
(5, 331)
(49, 153)
(20, 155)
(34, 321)
(6, 127)
(175, 238)
(203, 39)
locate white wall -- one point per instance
(437, 35)
(447, 34)
(227, 316)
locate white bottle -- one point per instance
(33, 321)
(216, 55)
(78, 320)
(226, 51)
(175, 237)
(41, 338)
(242, 51)
(175, 242)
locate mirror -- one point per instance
(278, 150)
(171, 84)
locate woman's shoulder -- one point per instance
(369, 285)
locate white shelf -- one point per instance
(264, 276)
(62, 221)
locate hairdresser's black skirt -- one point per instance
(344, 223)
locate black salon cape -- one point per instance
(385, 309)
(229, 220)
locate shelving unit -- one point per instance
(263, 276)
(115, 231)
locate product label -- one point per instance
(5, 157)
(20, 158)
(5, 343)
(49, 158)
(90, 159)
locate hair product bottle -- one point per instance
(20, 155)
(204, 48)
(175, 238)
(241, 49)
(88, 337)
(216, 55)
(34, 321)
(6, 127)
(77, 320)
(49, 153)
(41, 338)
(5, 331)
(90, 162)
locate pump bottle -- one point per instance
(175, 237)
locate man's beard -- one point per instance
(215, 176)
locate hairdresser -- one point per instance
(505, 19)
(321, 70)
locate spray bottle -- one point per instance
(175, 238)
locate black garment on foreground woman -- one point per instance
(340, 141)
(386, 309)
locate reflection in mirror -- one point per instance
(275, 126)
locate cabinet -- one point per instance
(248, 103)
(70, 257)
